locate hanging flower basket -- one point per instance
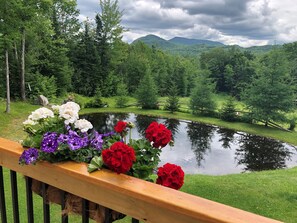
(73, 203)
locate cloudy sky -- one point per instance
(242, 22)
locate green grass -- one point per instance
(268, 193)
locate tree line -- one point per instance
(46, 50)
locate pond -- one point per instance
(206, 149)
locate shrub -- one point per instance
(97, 101)
(42, 85)
(292, 124)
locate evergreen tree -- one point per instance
(228, 112)
(108, 35)
(172, 103)
(201, 98)
(122, 95)
(147, 93)
(271, 94)
(86, 62)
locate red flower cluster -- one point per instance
(119, 157)
(158, 134)
(170, 175)
(120, 126)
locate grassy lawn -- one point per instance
(268, 193)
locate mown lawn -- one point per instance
(268, 193)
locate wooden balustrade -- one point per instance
(134, 197)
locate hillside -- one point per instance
(193, 47)
(190, 42)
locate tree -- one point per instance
(271, 93)
(201, 98)
(9, 34)
(64, 19)
(108, 35)
(172, 102)
(86, 63)
(228, 112)
(122, 95)
(147, 92)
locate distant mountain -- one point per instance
(189, 42)
(155, 40)
(193, 47)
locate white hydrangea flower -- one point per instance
(70, 106)
(69, 112)
(56, 107)
(41, 113)
(29, 122)
(83, 125)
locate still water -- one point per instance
(207, 149)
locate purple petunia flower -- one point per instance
(97, 141)
(108, 134)
(49, 142)
(29, 156)
(63, 138)
(75, 141)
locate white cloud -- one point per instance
(245, 23)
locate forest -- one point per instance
(46, 50)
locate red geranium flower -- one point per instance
(170, 175)
(119, 157)
(158, 134)
(120, 126)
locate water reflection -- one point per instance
(200, 137)
(173, 126)
(208, 149)
(227, 137)
(142, 122)
(259, 153)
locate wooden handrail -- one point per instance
(131, 196)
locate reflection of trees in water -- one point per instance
(105, 122)
(259, 153)
(142, 122)
(172, 125)
(200, 136)
(227, 136)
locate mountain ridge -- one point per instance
(192, 47)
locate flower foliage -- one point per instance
(58, 134)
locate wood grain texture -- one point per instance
(131, 196)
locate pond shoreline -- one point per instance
(255, 129)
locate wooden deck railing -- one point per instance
(136, 198)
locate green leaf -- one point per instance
(96, 164)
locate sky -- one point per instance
(241, 22)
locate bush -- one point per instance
(246, 118)
(292, 124)
(97, 101)
(42, 85)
